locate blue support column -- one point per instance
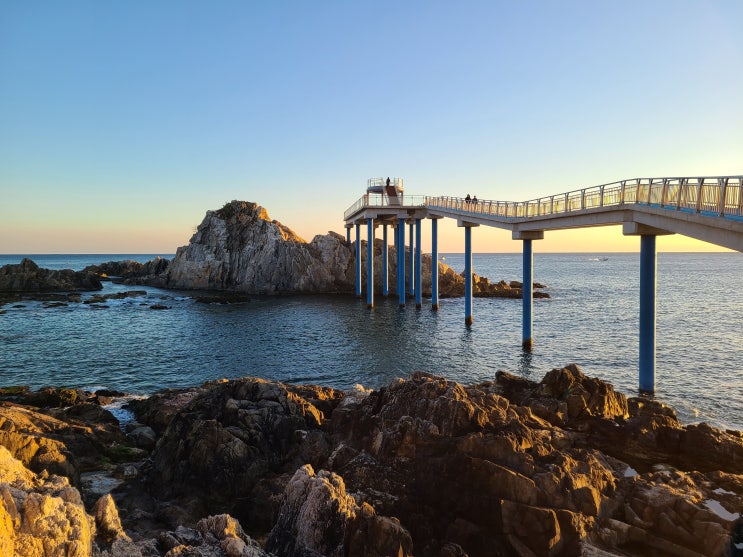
(411, 262)
(370, 263)
(434, 264)
(358, 260)
(468, 275)
(648, 281)
(418, 261)
(385, 273)
(527, 295)
(401, 262)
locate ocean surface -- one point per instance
(591, 319)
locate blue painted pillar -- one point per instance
(527, 295)
(418, 261)
(648, 281)
(358, 260)
(370, 263)
(434, 264)
(401, 262)
(411, 262)
(468, 275)
(385, 277)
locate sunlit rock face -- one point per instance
(239, 248)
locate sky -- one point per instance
(122, 123)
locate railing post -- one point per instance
(401, 261)
(434, 264)
(385, 257)
(648, 270)
(665, 192)
(358, 260)
(370, 263)
(621, 199)
(601, 195)
(699, 194)
(682, 185)
(468, 275)
(723, 183)
(418, 257)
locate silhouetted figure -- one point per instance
(388, 181)
(474, 200)
(468, 198)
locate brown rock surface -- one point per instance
(27, 276)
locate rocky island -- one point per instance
(240, 249)
(423, 466)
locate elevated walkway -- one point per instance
(705, 208)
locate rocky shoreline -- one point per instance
(423, 466)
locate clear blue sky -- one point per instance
(121, 123)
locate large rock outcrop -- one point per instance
(27, 276)
(239, 248)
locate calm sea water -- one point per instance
(591, 319)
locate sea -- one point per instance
(590, 319)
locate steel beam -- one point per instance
(418, 261)
(358, 260)
(370, 263)
(434, 264)
(527, 289)
(648, 281)
(385, 257)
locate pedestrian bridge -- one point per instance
(706, 208)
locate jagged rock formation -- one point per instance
(27, 276)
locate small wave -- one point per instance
(117, 408)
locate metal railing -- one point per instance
(713, 196)
(371, 200)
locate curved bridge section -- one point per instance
(705, 208)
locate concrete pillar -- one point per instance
(370, 263)
(385, 272)
(348, 234)
(411, 262)
(418, 261)
(527, 296)
(468, 275)
(434, 264)
(648, 281)
(358, 260)
(401, 261)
